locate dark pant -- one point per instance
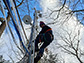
(41, 50)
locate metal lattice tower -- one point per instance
(32, 37)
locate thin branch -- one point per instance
(59, 9)
(20, 3)
(11, 58)
(2, 27)
(67, 49)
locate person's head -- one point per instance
(42, 24)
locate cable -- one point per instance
(17, 19)
(10, 11)
(7, 24)
(20, 21)
(32, 30)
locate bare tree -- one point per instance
(71, 43)
(3, 25)
(67, 8)
(62, 14)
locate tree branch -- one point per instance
(2, 27)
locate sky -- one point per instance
(70, 25)
(44, 6)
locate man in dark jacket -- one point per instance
(45, 36)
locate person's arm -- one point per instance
(41, 31)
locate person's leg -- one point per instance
(39, 55)
(41, 51)
(36, 43)
(38, 39)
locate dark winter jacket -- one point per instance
(47, 32)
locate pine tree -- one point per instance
(49, 58)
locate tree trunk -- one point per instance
(3, 25)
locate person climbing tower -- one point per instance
(45, 36)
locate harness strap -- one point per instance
(48, 30)
(49, 34)
(44, 35)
